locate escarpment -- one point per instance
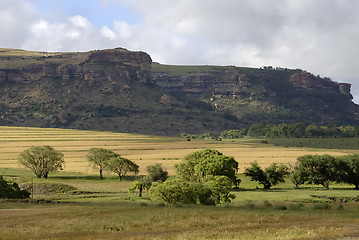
(123, 91)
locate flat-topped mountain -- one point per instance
(121, 90)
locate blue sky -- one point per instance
(319, 36)
(99, 12)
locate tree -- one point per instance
(269, 177)
(99, 158)
(200, 164)
(121, 166)
(42, 160)
(157, 173)
(298, 176)
(213, 190)
(174, 191)
(10, 189)
(321, 169)
(349, 169)
(144, 183)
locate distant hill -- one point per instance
(123, 91)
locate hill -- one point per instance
(123, 91)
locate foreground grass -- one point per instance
(129, 220)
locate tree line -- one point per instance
(295, 130)
(205, 176)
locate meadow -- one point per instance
(104, 209)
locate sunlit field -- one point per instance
(104, 209)
(144, 150)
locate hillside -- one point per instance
(265, 95)
(123, 91)
(106, 90)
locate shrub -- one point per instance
(10, 189)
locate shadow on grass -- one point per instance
(91, 177)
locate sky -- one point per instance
(320, 36)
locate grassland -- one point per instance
(106, 210)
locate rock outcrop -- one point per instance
(76, 65)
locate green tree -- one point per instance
(121, 166)
(349, 169)
(321, 169)
(174, 191)
(157, 173)
(200, 164)
(99, 158)
(220, 188)
(42, 160)
(10, 189)
(270, 176)
(298, 176)
(144, 183)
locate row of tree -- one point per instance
(45, 159)
(312, 169)
(296, 130)
(206, 176)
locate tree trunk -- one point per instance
(141, 188)
(101, 177)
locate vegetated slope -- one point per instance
(265, 95)
(123, 91)
(108, 90)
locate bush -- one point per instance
(10, 189)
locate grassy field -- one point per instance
(104, 209)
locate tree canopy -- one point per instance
(42, 160)
(99, 158)
(207, 162)
(321, 169)
(121, 166)
(270, 176)
(157, 173)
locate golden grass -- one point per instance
(144, 150)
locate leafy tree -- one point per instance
(321, 169)
(220, 188)
(349, 169)
(10, 189)
(270, 176)
(200, 164)
(258, 130)
(174, 191)
(234, 133)
(99, 158)
(157, 173)
(42, 160)
(298, 176)
(121, 166)
(214, 190)
(144, 183)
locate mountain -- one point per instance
(121, 90)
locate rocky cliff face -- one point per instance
(76, 65)
(109, 90)
(309, 81)
(263, 95)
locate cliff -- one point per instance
(267, 95)
(108, 90)
(121, 90)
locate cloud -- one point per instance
(320, 36)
